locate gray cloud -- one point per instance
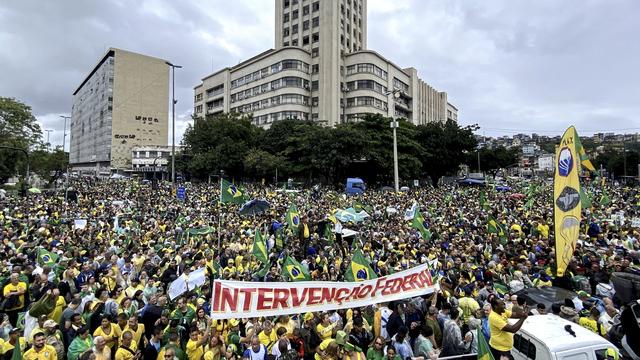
(531, 65)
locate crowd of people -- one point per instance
(88, 276)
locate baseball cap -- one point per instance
(49, 323)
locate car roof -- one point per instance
(549, 330)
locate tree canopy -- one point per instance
(18, 129)
(309, 152)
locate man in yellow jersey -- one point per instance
(501, 341)
(128, 350)
(40, 350)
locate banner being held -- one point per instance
(566, 199)
(238, 299)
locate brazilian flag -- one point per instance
(279, 239)
(213, 267)
(295, 271)
(418, 224)
(359, 269)
(328, 233)
(293, 218)
(231, 193)
(484, 203)
(494, 227)
(264, 271)
(582, 154)
(260, 248)
(484, 353)
(47, 258)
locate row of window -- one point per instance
(295, 99)
(215, 104)
(216, 90)
(397, 84)
(270, 118)
(287, 81)
(367, 85)
(314, 7)
(367, 68)
(367, 101)
(270, 70)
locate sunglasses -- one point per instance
(378, 343)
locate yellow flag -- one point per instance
(566, 196)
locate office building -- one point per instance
(122, 103)
(320, 69)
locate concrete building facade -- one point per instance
(320, 70)
(122, 103)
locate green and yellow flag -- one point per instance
(484, 203)
(585, 199)
(260, 248)
(293, 218)
(229, 193)
(494, 227)
(294, 270)
(605, 199)
(418, 224)
(46, 258)
(329, 234)
(359, 269)
(566, 199)
(213, 267)
(484, 353)
(584, 159)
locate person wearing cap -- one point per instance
(592, 322)
(40, 350)
(38, 329)
(54, 337)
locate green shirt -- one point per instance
(372, 354)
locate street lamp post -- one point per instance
(48, 131)
(64, 143)
(173, 122)
(394, 126)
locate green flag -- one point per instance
(47, 258)
(264, 271)
(604, 199)
(484, 353)
(495, 227)
(328, 233)
(293, 218)
(584, 199)
(584, 159)
(229, 193)
(484, 203)
(359, 269)
(294, 270)
(213, 266)
(279, 240)
(418, 224)
(17, 352)
(260, 248)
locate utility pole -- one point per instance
(173, 123)
(64, 131)
(48, 131)
(394, 125)
(64, 143)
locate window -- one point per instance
(314, 85)
(525, 346)
(315, 22)
(286, 3)
(305, 25)
(315, 69)
(294, 15)
(314, 101)
(315, 52)
(315, 37)
(294, 42)
(285, 19)
(285, 32)
(286, 43)
(315, 6)
(305, 40)
(294, 29)
(305, 10)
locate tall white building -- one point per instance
(320, 70)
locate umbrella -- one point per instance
(35, 190)
(517, 196)
(502, 188)
(254, 207)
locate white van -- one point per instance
(543, 337)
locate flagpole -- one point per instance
(220, 210)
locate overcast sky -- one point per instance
(508, 65)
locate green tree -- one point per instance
(49, 166)
(262, 164)
(219, 143)
(18, 129)
(492, 159)
(445, 145)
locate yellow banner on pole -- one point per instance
(566, 198)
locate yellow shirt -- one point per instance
(500, 339)
(268, 340)
(110, 338)
(122, 354)
(6, 346)
(137, 335)
(544, 230)
(10, 287)
(592, 325)
(56, 314)
(322, 347)
(194, 352)
(212, 354)
(325, 332)
(47, 352)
